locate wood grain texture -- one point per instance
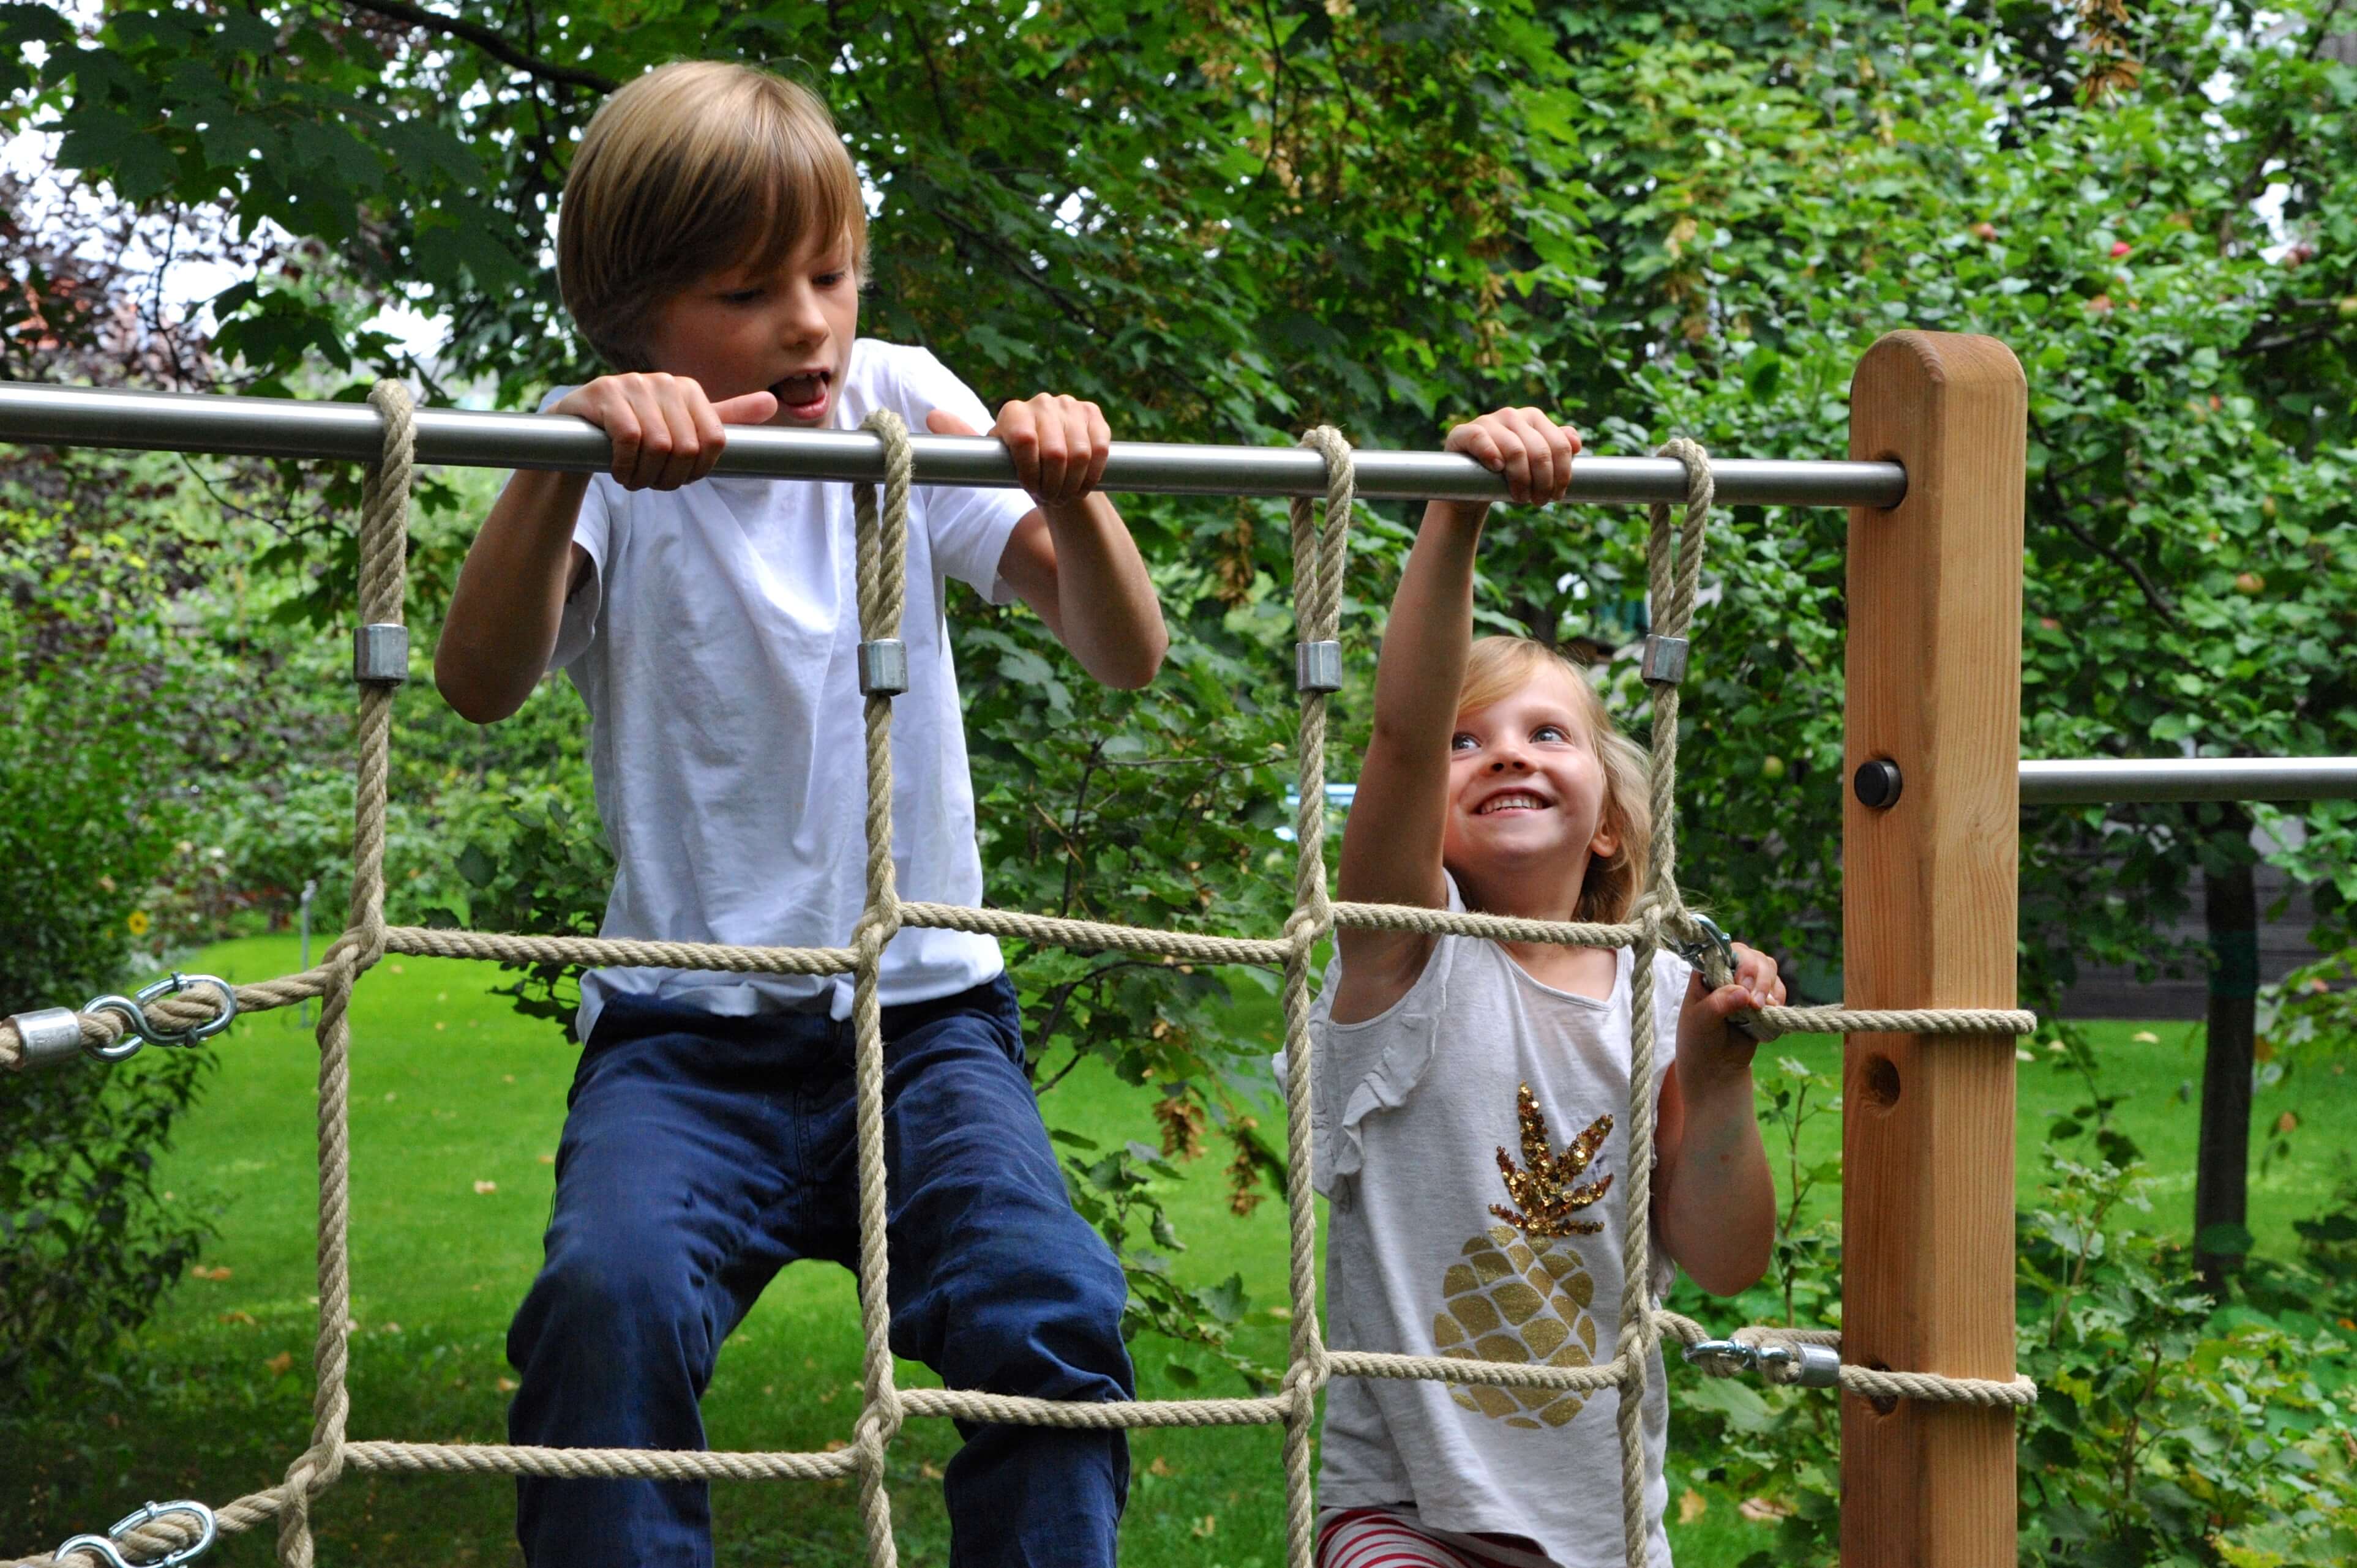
(1930, 896)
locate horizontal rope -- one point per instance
(580, 1464)
(1868, 1383)
(1473, 923)
(1836, 1019)
(1053, 930)
(1488, 1374)
(617, 952)
(966, 1404)
(1871, 1382)
(172, 1012)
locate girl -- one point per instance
(1473, 1095)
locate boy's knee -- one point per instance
(1037, 1316)
(612, 1297)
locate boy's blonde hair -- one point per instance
(694, 167)
(1497, 666)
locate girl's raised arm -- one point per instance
(1392, 841)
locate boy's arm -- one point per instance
(1714, 1201)
(509, 601)
(1392, 839)
(1076, 565)
(1071, 558)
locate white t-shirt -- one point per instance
(715, 643)
(1410, 1109)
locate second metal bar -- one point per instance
(284, 428)
(2121, 781)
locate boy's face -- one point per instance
(788, 331)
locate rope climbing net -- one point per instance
(1319, 545)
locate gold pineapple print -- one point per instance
(1518, 1292)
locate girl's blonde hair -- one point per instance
(1497, 666)
(694, 167)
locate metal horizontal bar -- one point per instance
(283, 427)
(2125, 780)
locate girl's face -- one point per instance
(1525, 785)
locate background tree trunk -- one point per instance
(2222, 1166)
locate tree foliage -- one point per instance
(1224, 222)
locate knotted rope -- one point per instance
(1319, 553)
(883, 547)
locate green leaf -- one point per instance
(475, 866)
(1741, 1405)
(1226, 1300)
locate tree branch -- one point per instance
(2309, 334)
(2061, 510)
(2256, 179)
(2152, 595)
(490, 40)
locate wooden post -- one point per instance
(1929, 906)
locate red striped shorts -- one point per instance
(1376, 1538)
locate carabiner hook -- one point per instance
(138, 1032)
(1699, 951)
(105, 1548)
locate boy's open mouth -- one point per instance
(1509, 802)
(804, 396)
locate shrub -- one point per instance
(2167, 1431)
(86, 1243)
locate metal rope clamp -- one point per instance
(381, 653)
(106, 1550)
(883, 664)
(1663, 661)
(1317, 666)
(1800, 1366)
(139, 1032)
(49, 1036)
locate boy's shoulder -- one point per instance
(906, 377)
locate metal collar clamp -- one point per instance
(1803, 1366)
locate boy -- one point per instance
(710, 247)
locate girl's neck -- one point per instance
(1537, 894)
(1531, 893)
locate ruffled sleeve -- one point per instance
(1358, 1069)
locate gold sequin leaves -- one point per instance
(1549, 1193)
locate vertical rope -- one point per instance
(1319, 555)
(1674, 583)
(383, 540)
(883, 551)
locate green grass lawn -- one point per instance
(457, 1105)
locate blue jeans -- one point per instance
(701, 1155)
